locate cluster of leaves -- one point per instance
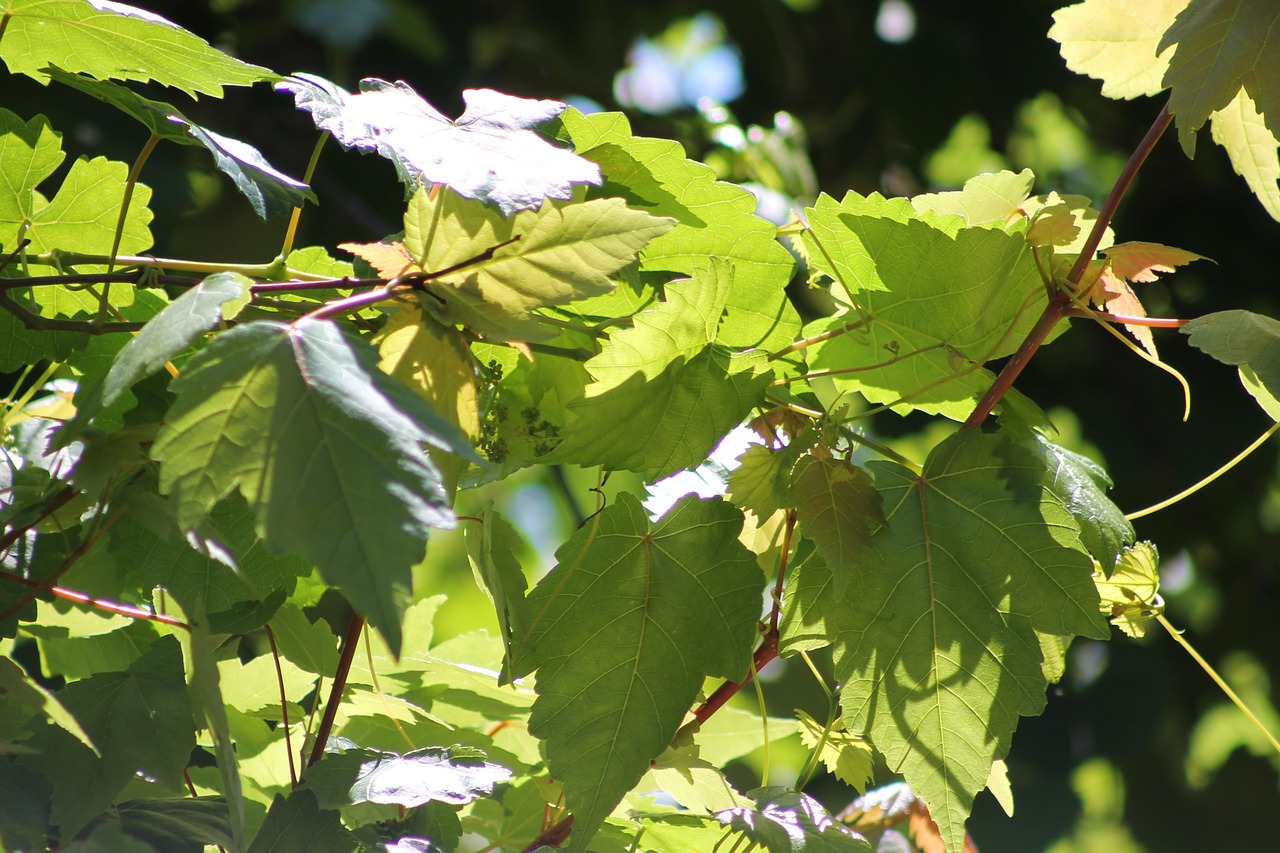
(240, 438)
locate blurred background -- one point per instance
(1137, 749)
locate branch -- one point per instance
(336, 689)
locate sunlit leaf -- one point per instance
(1242, 132)
(847, 757)
(492, 548)
(937, 650)
(665, 392)
(490, 153)
(991, 199)
(1129, 594)
(110, 40)
(1117, 43)
(456, 776)
(626, 627)
(788, 821)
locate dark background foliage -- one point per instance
(874, 111)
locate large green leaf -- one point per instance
(1241, 130)
(716, 219)
(937, 650)
(177, 824)
(1242, 339)
(270, 192)
(110, 40)
(626, 627)
(936, 300)
(839, 509)
(325, 447)
(298, 825)
(665, 392)
(1223, 46)
(561, 252)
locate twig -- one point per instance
(336, 689)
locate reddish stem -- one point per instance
(69, 561)
(1128, 320)
(99, 603)
(59, 500)
(1059, 304)
(284, 704)
(765, 653)
(776, 609)
(336, 689)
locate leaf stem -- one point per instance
(284, 704)
(1057, 307)
(1218, 680)
(129, 184)
(1127, 320)
(1185, 493)
(97, 603)
(67, 562)
(764, 654)
(296, 215)
(336, 689)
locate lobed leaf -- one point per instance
(296, 824)
(110, 40)
(625, 628)
(1129, 594)
(324, 446)
(840, 510)
(789, 821)
(665, 392)
(937, 648)
(1118, 43)
(1240, 129)
(1242, 339)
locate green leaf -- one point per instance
(492, 548)
(936, 301)
(311, 646)
(1240, 129)
(561, 252)
(809, 607)
(937, 650)
(18, 688)
(788, 821)
(1117, 43)
(629, 623)
(207, 693)
(324, 446)
(24, 809)
(717, 219)
(455, 775)
(665, 392)
(490, 153)
(187, 823)
(116, 41)
(170, 332)
(270, 192)
(298, 825)
(1223, 45)
(1129, 594)
(989, 199)
(839, 509)
(762, 480)
(849, 758)
(1241, 339)
(695, 783)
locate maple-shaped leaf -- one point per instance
(635, 615)
(762, 480)
(455, 775)
(296, 823)
(1222, 47)
(1245, 340)
(715, 219)
(692, 781)
(1118, 43)
(325, 447)
(990, 199)
(839, 509)
(391, 260)
(507, 268)
(935, 300)
(1241, 130)
(1135, 262)
(850, 759)
(1063, 222)
(490, 153)
(788, 821)
(1130, 593)
(937, 649)
(110, 40)
(809, 607)
(665, 392)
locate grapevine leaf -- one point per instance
(1063, 222)
(110, 40)
(1081, 485)
(840, 510)
(936, 300)
(1129, 594)
(556, 254)
(999, 786)
(693, 782)
(788, 821)
(457, 775)
(990, 199)
(271, 192)
(311, 646)
(212, 711)
(168, 333)
(84, 783)
(491, 153)
(24, 808)
(809, 607)
(18, 688)
(1241, 339)
(716, 219)
(324, 446)
(762, 480)
(389, 259)
(1117, 43)
(1242, 132)
(849, 758)
(1141, 262)
(492, 548)
(627, 625)
(177, 824)
(937, 649)
(1223, 45)
(299, 825)
(665, 392)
